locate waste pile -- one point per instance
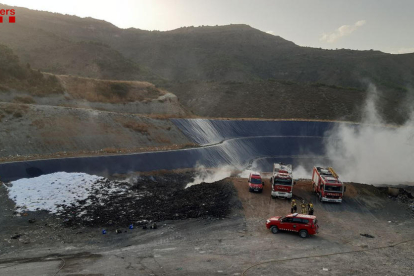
(149, 198)
(89, 200)
(401, 195)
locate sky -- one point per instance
(352, 24)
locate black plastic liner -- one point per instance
(226, 142)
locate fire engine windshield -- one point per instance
(256, 181)
(333, 188)
(280, 181)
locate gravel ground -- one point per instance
(228, 246)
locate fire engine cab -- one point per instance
(282, 181)
(326, 184)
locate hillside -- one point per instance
(21, 84)
(44, 115)
(286, 100)
(234, 52)
(61, 54)
(39, 131)
(213, 70)
(15, 76)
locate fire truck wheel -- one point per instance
(274, 229)
(272, 196)
(303, 233)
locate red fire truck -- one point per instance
(255, 182)
(327, 185)
(282, 181)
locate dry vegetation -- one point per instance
(15, 76)
(135, 126)
(109, 91)
(24, 100)
(110, 150)
(39, 124)
(162, 140)
(13, 111)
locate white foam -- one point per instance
(46, 191)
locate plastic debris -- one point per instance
(15, 237)
(367, 236)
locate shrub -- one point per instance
(120, 89)
(17, 114)
(3, 89)
(139, 127)
(24, 99)
(110, 150)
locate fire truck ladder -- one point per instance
(333, 172)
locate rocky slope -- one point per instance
(36, 131)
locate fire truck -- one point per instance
(255, 182)
(282, 181)
(326, 184)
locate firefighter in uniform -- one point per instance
(293, 207)
(310, 209)
(303, 207)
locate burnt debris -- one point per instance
(149, 199)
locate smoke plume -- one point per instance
(372, 152)
(210, 175)
(299, 172)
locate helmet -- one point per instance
(293, 200)
(311, 205)
(303, 201)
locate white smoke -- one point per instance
(132, 177)
(245, 173)
(373, 153)
(300, 172)
(210, 175)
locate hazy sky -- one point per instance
(356, 24)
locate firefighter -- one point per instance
(293, 207)
(303, 207)
(310, 209)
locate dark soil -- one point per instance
(149, 199)
(403, 196)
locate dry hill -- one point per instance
(221, 53)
